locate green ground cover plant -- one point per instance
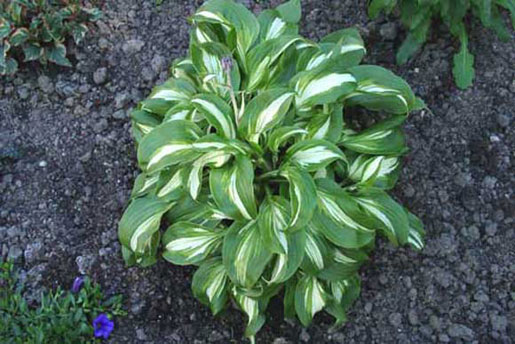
(61, 316)
(249, 157)
(417, 16)
(37, 30)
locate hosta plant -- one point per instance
(248, 156)
(417, 16)
(37, 29)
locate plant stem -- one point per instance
(267, 175)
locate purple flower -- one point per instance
(102, 326)
(77, 284)
(227, 63)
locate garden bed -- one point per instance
(68, 163)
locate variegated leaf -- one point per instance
(207, 60)
(314, 154)
(263, 56)
(215, 158)
(302, 193)
(344, 264)
(144, 184)
(217, 112)
(310, 298)
(273, 25)
(327, 126)
(390, 216)
(264, 112)
(140, 221)
(143, 123)
(181, 111)
(339, 234)
(169, 144)
(245, 255)
(233, 190)
(171, 183)
(342, 208)
(381, 171)
(280, 136)
(178, 90)
(322, 86)
(379, 89)
(343, 48)
(318, 252)
(197, 211)
(251, 306)
(383, 138)
(210, 284)
(416, 232)
(188, 243)
(343, 293)
(240, 25)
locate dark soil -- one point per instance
(67, 164)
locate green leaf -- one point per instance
(290, 11)
(310, 298)
(314, 154)
(245, 255)
(285, 265)
(188, 243)
(274, 217)
(408, 48)
(485, 11)
(343, 294)
(57, 55)
(233, 190)
(5, 28)
(78, 32)
(347, 291)
(139, 222)
(19, 36)
(463, 69)
(302, 196)
(217, 112)
(9, 68)
(210, 284)
(32, 51)
(376, 6)
(264, 112)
